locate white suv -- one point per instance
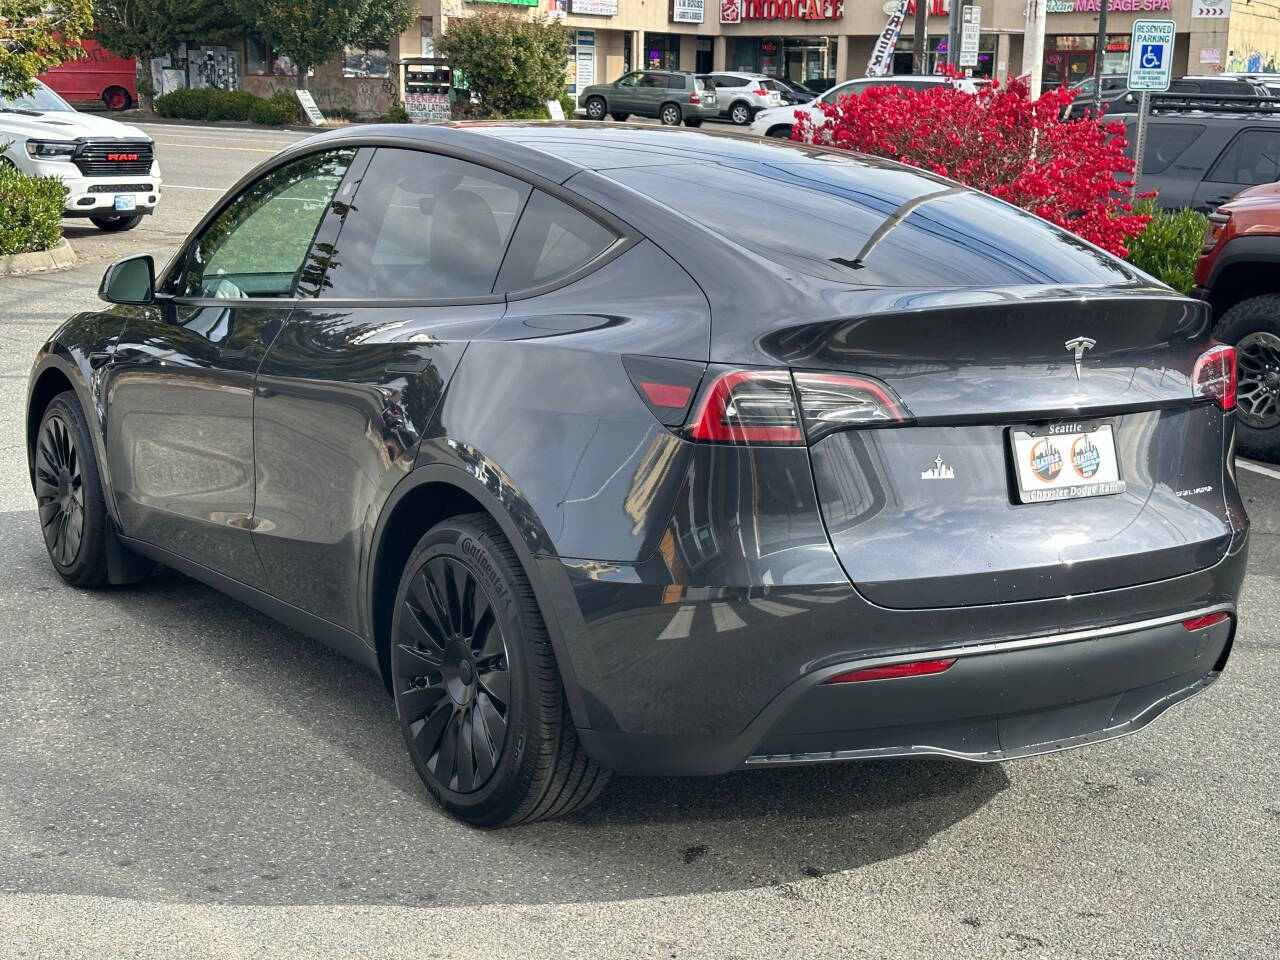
(108, 168)
(741, 95)
(778, 122)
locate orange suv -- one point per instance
(1239, 275)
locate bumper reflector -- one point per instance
(919, 668)
(1208, 620)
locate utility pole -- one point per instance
(1033, 46)
(1099, 55)
(919, 55)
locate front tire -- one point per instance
(116, 224)
(779, 133)
(669, 115)
(595, 108)
(1253, 325)
(476, 686)
(73, 514)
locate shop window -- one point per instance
(428, 38)
(261, 60)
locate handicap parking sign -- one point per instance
(1150, 68)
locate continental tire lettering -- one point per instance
(477, 555)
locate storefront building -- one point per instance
(821, 42)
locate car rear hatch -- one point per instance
(1000, 482)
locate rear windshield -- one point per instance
(850, 221)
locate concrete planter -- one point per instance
(58, 257)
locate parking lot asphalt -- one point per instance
(184, 777)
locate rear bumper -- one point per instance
(998, 701)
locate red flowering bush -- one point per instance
(1072, 173)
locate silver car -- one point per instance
(742, 95)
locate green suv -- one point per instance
(667, 95)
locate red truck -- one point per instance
(1239, 275)
(99, 75)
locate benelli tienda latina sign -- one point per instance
(736, 11)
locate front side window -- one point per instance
(1252, 158)
(835, 93)
(424, 227)
(630, 80)
(256, 246)
(552, 240)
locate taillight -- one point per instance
(772, 406)
(762, 92)
(748, 406)
(1214, 376)
(1213, 231)
(666, 386)
(832, 401)
(1208, 620)
(895, 671)
(693, 98)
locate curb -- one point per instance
(228, 124)
(58, 257)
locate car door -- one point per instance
(179, 409)
(623, 99)
(651, 91)
(400, 277)
(1252, 157)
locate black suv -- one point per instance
(1202, 160)
(1119, 99)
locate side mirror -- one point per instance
(131, 280)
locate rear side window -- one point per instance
(675, 81)
(1166, 142)
(552, 240)
(424, 227)
(1252, 158)
(840, 224)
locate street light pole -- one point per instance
(953, 31)
(1100, 54)
(920, 56)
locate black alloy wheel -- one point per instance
(1258, 380)
(71, 509)
(476, 684)
(453, 685)
(59, 490)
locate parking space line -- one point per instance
(775, 609)
(725, 618)
(1258, 468)
(679, 626)
(183, 186)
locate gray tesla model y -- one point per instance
(618, 449)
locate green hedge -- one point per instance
(211, 104)
(1170, 245)
(30, 211)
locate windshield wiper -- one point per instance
(21, 110)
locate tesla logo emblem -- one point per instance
(122, 156)
(1078, 346)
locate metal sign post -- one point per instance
(1150, 67)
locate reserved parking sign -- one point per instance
(1151, 54)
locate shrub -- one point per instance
(1170, 245)
(211, 104)
(395, 114)
(511, 64)
(1072, 173)
(30, 211)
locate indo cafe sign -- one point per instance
(736, 11)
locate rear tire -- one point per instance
(669, 115)
(693, 122)
(740, 113)
(1253, 326)
(116, 98)
(116, 224)
(595, 108)
(620, 117)
(476, 686)
(73, 513)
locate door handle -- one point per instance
(99, 359)
(235, 353)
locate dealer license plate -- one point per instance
(1065, 461)
(126, 201)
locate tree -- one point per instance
(310, 32)
(1073, 173)
(36, 35)
(152, 28)
(511, 64)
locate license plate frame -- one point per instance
(1053, 462)
(125, 203)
